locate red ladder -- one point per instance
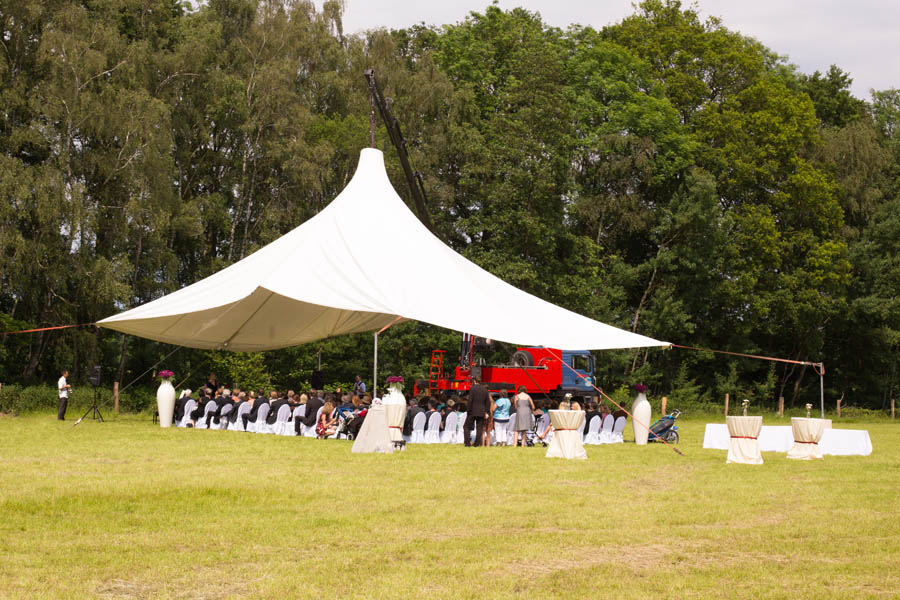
(435, 372)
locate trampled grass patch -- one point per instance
(124, 509)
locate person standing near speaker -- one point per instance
(63, 387)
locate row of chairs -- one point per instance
(607, 431)
(283, 425)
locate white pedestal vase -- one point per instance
(165, 403)
(640, 422)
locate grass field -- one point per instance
(124, 509)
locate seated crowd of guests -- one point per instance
(338, 410)
(344, 413)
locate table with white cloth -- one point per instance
(807, 433)
(566, 442)
(396, 413)
(743, 445)
(374, 434)
(780, 438)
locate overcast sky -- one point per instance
(862, 37)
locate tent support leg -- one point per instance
(822, 388)
(375, 370)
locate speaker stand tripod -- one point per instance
(93, 409)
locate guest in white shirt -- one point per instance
(63, 386)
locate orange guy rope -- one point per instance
(45, 329)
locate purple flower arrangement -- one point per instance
(640, 388)
(394, 379)
(166, 374)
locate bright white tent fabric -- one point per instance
(354, 267)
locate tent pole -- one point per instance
(375, 370)
(822, 388)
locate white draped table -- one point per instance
(743, 445)
(396, 413)
(780, 438)
(566, 442)
(373, 435)
(807, 433)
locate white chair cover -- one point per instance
(807, 435)
(243, 409)
(433, 433)
(260, 425)
(743, 447)
(288, 428)
(282, 420)
(223, 418)
(593, 435)
(606, 429)
(201, 422)
(580, 427)
(448, 436)
(189, 406)
(418, 429)
(566, 442)
(616, 435)
(311, 430)
(459, 428)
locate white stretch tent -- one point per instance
(357, 266)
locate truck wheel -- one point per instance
(520, 358)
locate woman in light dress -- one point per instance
(524, 415)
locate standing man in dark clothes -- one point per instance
(479, 405)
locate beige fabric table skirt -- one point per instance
(566, 442)
(743, 447)
(396, 413)
(807, 435)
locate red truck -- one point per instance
(538, 369)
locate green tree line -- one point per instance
(664, 174)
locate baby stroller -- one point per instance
(665, 429)
(533, 437)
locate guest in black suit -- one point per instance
(312, 407)
(221, 402)
(201, 406)
(411, 413)
(274, 404)
(251, 416)
(590, 414)
(430, 404)
(241, 399)
(479, 405)
(178, 415)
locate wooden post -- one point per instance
(664, 402)
(892, 407)
(726, 405)
(841, 399)
(780, 406)
(116, 397)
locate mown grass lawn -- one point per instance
(124, 509)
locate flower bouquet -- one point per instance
(166, 374)
(395, 383)
(640, 388)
